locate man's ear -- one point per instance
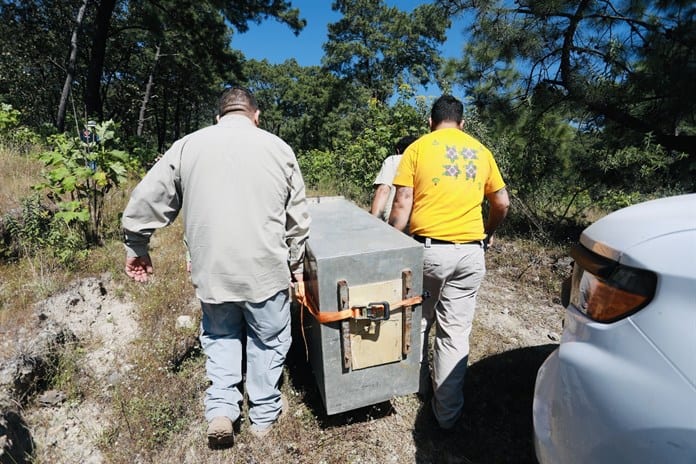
(461, 124)
(430, 122)
(217, 118)
(256, 117)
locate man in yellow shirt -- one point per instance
(441, 183)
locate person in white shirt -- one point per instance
(384, 190)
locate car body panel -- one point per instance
(617, 233)
(596, 383)
(565, 434)
(625, 391)
(670, 321)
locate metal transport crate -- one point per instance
(354, 260)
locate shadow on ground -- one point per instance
(496, 426)
(16, 443)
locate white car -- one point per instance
(621, 387)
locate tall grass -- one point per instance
(21, 283)
(17, 174)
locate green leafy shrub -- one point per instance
(142, 155)
(25, 230)
(34, 228)
(67, 374)
(318, 168)
(79, 174)
(350, 167)
(9, 118)
(21, 138)
(358, 160)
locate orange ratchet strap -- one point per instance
(333, 316)
(355, 312)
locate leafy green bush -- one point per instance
(21, 138)
(9, 118)
(26, 230)
(80, 173)
(142, 155)
(34, 229)
(317, 168)
(67, 374)
(359, 159)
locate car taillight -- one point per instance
(605, 290)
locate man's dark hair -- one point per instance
(402, 144)
(447, 108)
(237, 99)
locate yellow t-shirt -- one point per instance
(450, 173)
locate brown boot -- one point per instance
(220, 432)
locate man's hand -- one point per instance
(298, 287)
(139, 268)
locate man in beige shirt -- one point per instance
(246, 224)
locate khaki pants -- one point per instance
(452, 273)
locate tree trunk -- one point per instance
(93, 101)
(148, 91)
(163, 119)
(177, 117)
(62, 106)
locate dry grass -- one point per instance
(17, 175)
(525, 263)
(159, 400)
(24, 282)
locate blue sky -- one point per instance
(275, 42)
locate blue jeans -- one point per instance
(267, 329)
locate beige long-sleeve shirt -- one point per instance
(244, 209)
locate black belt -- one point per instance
(435, 241)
